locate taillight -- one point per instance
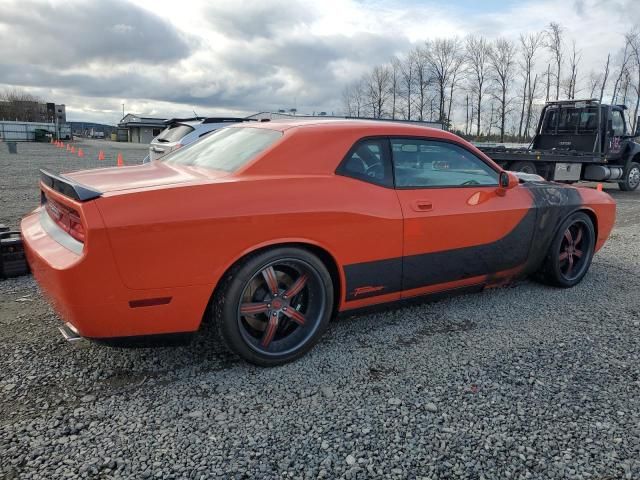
(66, 218)
(76, 229)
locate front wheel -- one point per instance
(570, 253)
(631, 179)
(274, 306)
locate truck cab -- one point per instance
(582, 127)
(578, 140)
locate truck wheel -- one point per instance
(631, 178)
(524, 167)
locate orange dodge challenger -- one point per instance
(273, 228)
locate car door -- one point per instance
(616, 134)
(459, 228)
(373, 272)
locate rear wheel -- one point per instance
(274, 306)
(524, 167)
(571, 252)
(631, 179)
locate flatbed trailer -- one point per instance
(577, 140)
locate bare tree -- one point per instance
(407, 74)
(493, 119)
(466, 122)
(501, 63)
(554, 44)
(422, 80)
(377, 89)
(394, 84)
(594, 82)
(353, 100)
(606, 76)
(574, 62)
(633, 40)
(457, 73)
(531, 95)
(347, 101)
(624, 85)
(624, 67)
(444, 61)
(529, 46)
(477, 56)
(20, 105)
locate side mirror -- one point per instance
(507, 181)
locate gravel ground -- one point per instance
(20, 173)
(521, 382)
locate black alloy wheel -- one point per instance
(571, 252)
(276, 306)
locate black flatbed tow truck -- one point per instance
(577, 140)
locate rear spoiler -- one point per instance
(68, 187)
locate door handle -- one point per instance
(422, 206)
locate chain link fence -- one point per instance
(31, 131)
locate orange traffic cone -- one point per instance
(80, 152)
(73, 149)
(599, 187)
(101, 155)
(68, 147)
(120, 160)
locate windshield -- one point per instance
(174, 133)
(226, 149)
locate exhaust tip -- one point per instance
(69, 332)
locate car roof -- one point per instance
(324, 142)
(363, 127)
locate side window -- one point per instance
(617, 122)
(430, 163)
(367, 160)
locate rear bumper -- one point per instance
(87, 291)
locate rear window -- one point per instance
(174, 133)
(570, 120)
(226, 149)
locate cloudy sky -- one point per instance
(169, 58)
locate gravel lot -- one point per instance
(521, 382)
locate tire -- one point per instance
(570, 253)
(631, 179)
(272, 307)
(524, 167)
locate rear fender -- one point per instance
(282, 242)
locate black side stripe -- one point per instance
(526, 245)
(366, 279)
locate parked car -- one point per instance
(181, 132)
(270, 229)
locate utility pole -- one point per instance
(123, 110)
